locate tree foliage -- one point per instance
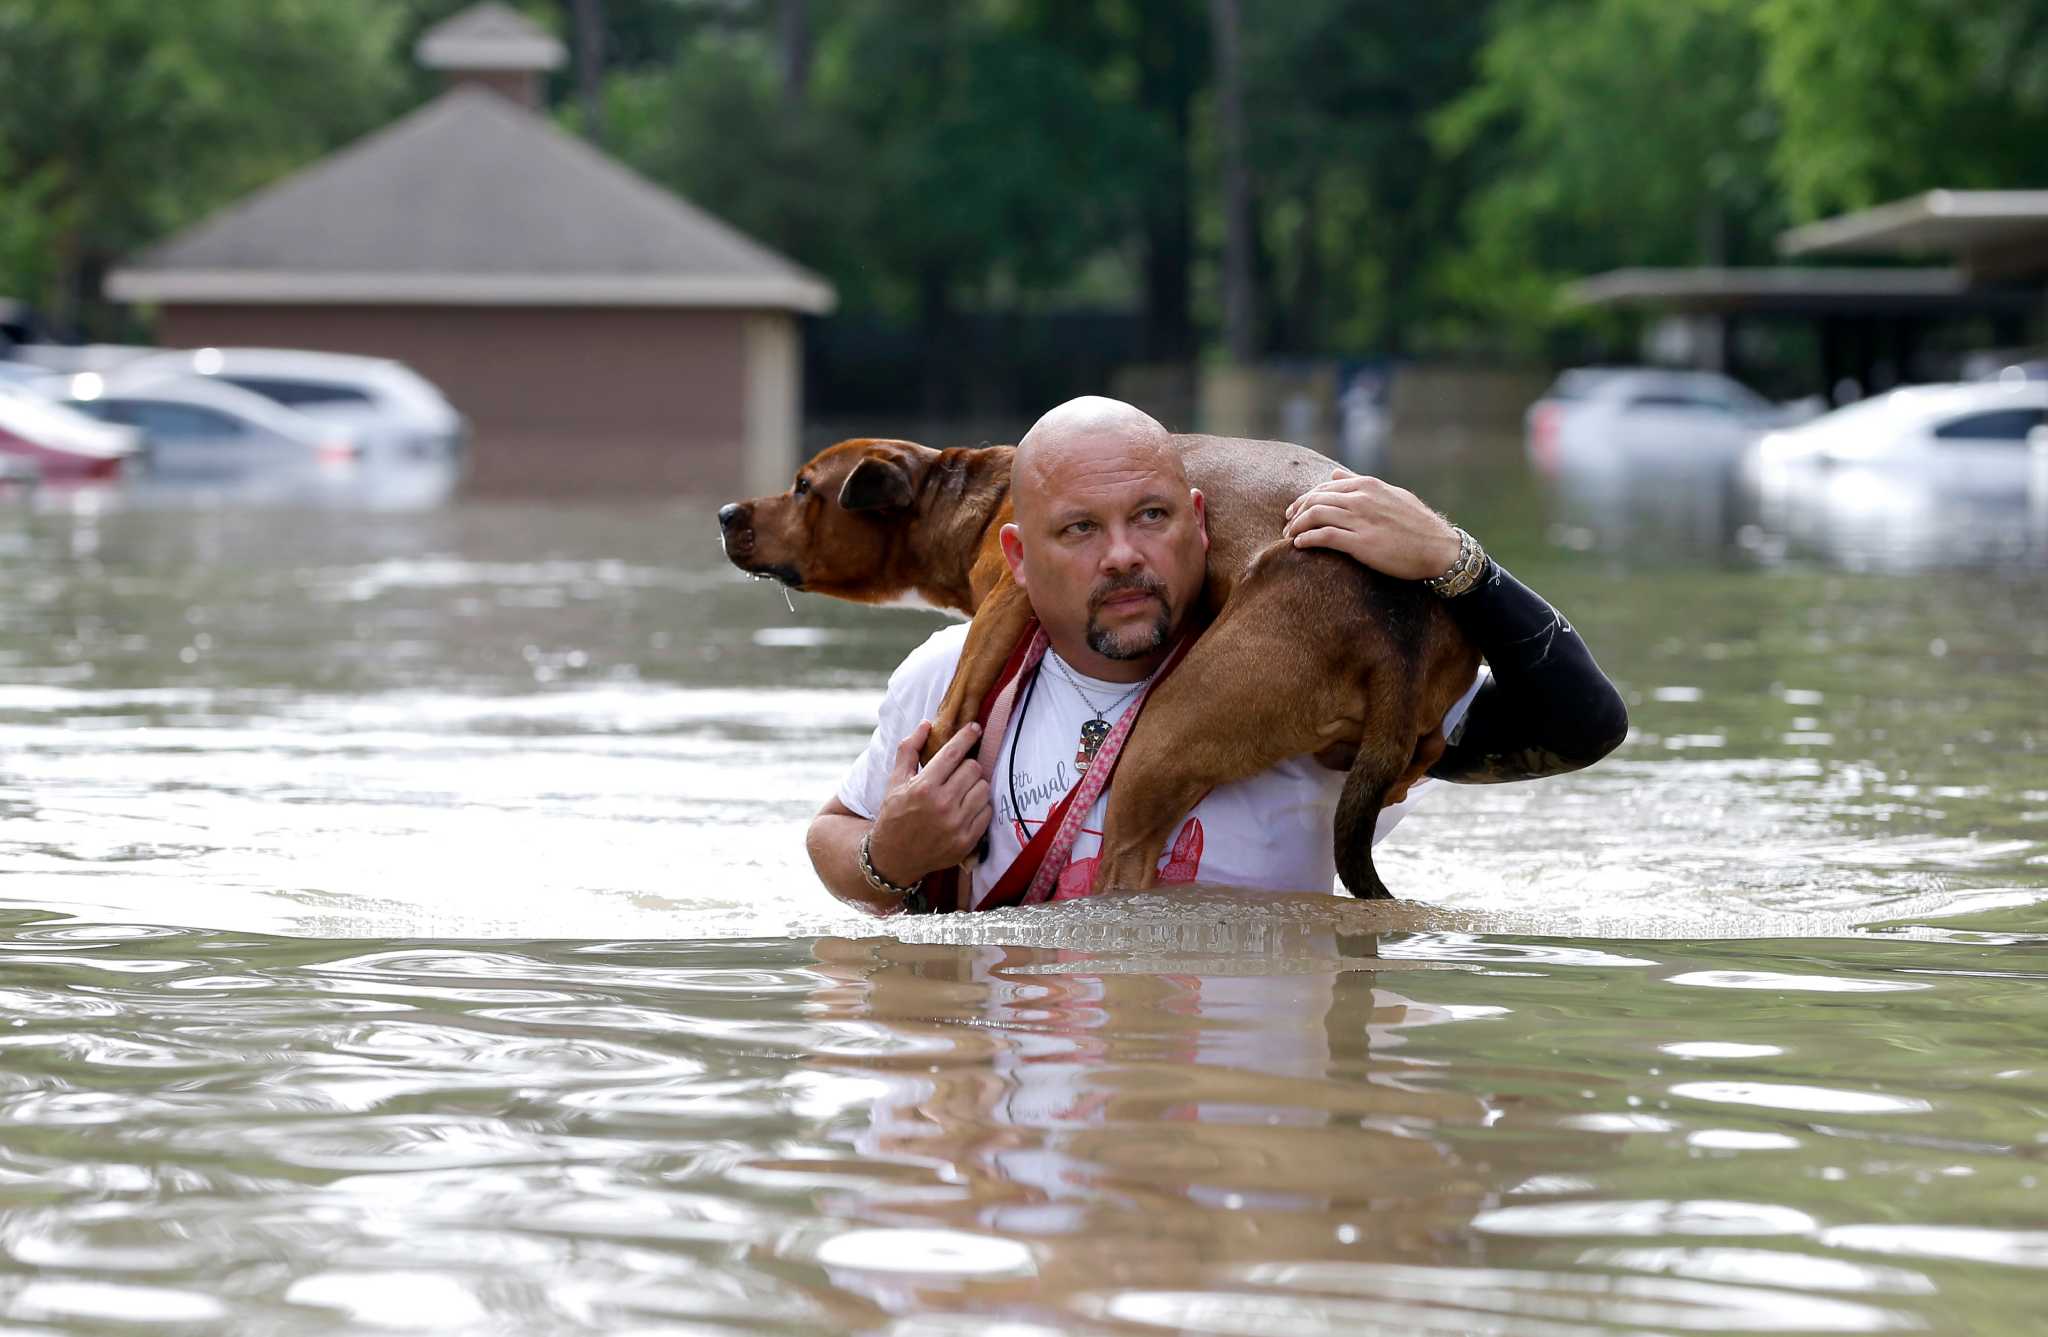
(1884, 98)
(1357, 200)
(1609, 133)
(124, 119)
(1422, 176)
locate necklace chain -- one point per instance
(1100, 713)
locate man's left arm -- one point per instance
(1546, 707)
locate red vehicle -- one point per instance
(54, 443)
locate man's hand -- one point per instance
(930, 818)
(1385, 527)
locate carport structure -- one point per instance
(1870, 323)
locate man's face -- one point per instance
(1111, 548)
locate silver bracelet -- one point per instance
(876, 880)
(1463, 573)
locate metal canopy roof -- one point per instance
(1993, 231)
(1788, 290)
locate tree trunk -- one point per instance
(1303, 318)
(1240, 313)
(589, 23)
(793, 50)
(935, 329)
(1169, 52)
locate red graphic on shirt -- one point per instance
(1184, 860)
(1182, 863)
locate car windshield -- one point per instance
(171, 421)
(1582, 382)
(293, 392)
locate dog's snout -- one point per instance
(730, 514)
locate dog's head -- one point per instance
(840, 529)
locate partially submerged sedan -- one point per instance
(1962, 441)
(390, 410)
(1648, 420)
(48, 442)
(200, 431)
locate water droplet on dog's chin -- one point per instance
(788, 599)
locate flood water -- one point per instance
(406, 928)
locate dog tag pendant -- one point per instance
(1092, 734)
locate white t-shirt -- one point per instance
(1273, 831)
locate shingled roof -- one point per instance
(470, 200)
(489, 36)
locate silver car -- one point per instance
(198, 430)
(1647, 418)
(390, 410)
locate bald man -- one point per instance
(1110, 545)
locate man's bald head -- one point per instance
(1087, 435)
(1109, 542)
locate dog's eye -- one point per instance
(803, 485)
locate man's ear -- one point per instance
(1201, 504)
(877, 483)
(1013, 553)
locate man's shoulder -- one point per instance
(936, 658)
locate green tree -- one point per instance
(126, 119)
(939, 158)
(1607, 132)
(1884, 98)
(1150, 61)
(1356, 199)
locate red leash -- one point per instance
(1031, 877)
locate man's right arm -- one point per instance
(930, 818)
(834, 845)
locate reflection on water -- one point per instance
(1404, 1131)
(1862, 518)
(406, 929)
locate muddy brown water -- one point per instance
(406, 929)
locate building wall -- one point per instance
(774, 401)
(563, 400)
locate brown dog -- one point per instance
(1306, 651)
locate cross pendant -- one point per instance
(1092, 734)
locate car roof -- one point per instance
(205, 392)
(391, 381)
(1969, 397)
(355, 367)
(1925, 405)
(1622, 380)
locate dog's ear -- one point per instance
(877, 483)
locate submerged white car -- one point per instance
(1646, 419)
(385, 406)
(1965, 441)
(195, 429)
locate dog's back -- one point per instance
(1248, 485)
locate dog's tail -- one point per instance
(1358, 811)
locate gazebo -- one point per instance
(601, 333)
